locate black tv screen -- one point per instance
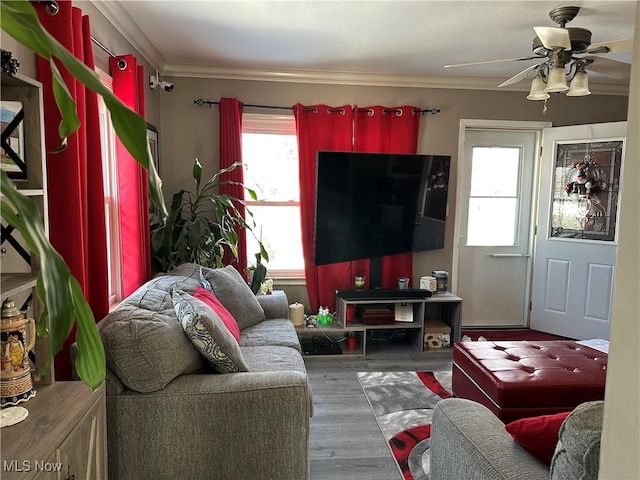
(370, 205)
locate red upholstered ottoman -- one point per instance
(526, 379)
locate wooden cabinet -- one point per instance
(446, 308)
(21, 97)
(63, 438)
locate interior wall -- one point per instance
(189, 131)
(621, 429)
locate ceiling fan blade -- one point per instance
(520, 76)
(493, 61)
(554, 37)
(608, 67)
(614, 46)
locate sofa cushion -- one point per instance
(273, 359)
(538, 435)
(210, 300)
(278, 332)
(230, 288)
(146, 349)
(577, 454)
(208, 333)
(276, 359)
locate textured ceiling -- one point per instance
(378, 37)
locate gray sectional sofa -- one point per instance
(468, 442)
(170, 416)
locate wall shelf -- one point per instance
(20, 267)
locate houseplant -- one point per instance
(201, 225)
(58, 290)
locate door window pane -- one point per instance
(492, 221)
(494, 172)
(493, 197)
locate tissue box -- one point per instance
(428, 283)
(437, 334)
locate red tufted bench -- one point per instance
(526, 379)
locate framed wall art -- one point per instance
(12, 139)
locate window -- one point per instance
(270, 158)
(110, 176)
(493, 200)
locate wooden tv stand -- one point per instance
(445, 307)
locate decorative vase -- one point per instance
(17, 337)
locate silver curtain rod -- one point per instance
(122, 63)
(201, 102)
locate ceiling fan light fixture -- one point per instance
(557, 81)
(579, 85)
(537, 89)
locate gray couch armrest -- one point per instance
(236, 426)
(468, 442)
(275, 305)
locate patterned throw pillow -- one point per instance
(205, 283)
(207, 332)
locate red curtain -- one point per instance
(133, 190)
(388, 130)
(231, 152)
(319, 127)
(74, 176)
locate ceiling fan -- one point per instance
(566, 52)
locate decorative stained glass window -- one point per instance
(585, 190)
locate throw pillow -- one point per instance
(538, 435)
(578, 451)
(209, 299)
(207, 332)
(233, 292)
(205, 283)
(147, 350)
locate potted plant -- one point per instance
(201, 225)
(59, 291)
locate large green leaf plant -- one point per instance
(60, 293)
(202, 225)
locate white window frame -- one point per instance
(110, 174)
(273, 124)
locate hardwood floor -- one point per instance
(345, 441)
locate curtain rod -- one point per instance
(201, 102)
(122, 63)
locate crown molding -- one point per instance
(362, 79)
(120, 20)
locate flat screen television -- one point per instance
(370, 205)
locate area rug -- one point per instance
(511, 335)
(403, 403)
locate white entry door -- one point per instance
(577, 230)
(494, 224)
